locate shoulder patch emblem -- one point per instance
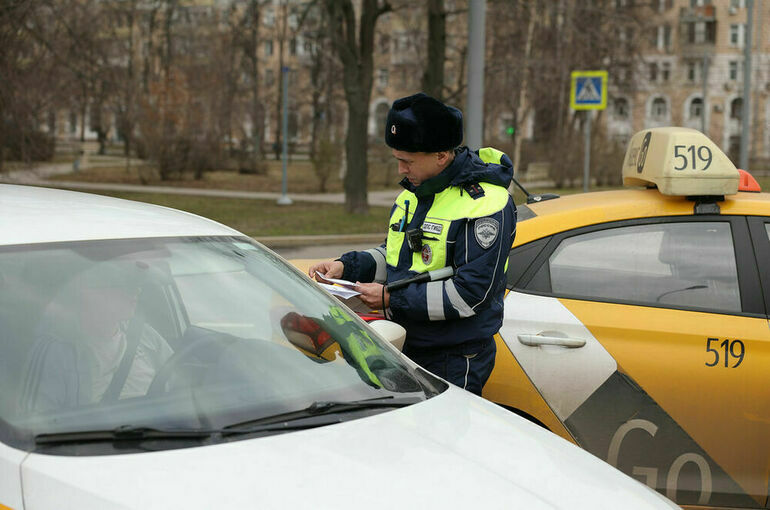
(486, 231)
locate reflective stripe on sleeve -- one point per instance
(378, 254)
(435, 297)
(458, 302)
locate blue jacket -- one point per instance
(470, 220)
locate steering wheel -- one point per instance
(190, 353)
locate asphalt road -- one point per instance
(331, 251)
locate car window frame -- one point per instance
(752, 298)
(761, 243)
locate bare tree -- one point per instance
(433, 77)
(25, 64)
(250, 42)
(353, 39)
(536, 47)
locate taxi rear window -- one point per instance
(523, 213)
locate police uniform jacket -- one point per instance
(469, 222)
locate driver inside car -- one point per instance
(94, 345)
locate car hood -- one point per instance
(452, 451)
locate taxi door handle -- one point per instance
(535, 340)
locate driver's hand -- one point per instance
(330, 268)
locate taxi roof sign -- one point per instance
(680, 162)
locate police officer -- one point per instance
(455, 211)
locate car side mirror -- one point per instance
(390, 331)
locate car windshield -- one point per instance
(183, 334)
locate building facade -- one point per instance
(692, 75)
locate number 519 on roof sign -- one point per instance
(589, 90)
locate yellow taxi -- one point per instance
(636, 322)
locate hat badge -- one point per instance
(393, 128)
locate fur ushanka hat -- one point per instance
(420, 123)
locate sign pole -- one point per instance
(284, 198)
(587, 156)
(588, 92)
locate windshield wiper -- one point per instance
(325, 408)
(273, 423)
(122, 433)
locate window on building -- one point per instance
(269, 48)
(73, 122)
(384, 43)
(737, 34)
(694, 70)
(663, 37)
(736, 108)
(699, 32)
(696, 108)
(623, 37)
(736, 4)
(664, 5)
(293, 46)
(653, 71)
(699, 3)
(382, 78)
(51, 122)
(659, 109)
(665, 71)
(620, 108)
(622, 73)
(269, 17)
(380, 115)
(269, 78)
(732, 70)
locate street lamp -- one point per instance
(284, 198)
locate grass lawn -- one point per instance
(300, 176)
(265, 218)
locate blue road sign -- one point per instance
(589, 90)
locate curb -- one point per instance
(319, 240)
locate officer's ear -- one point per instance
(444, 157)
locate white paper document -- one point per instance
(344, 283)
(343, 292)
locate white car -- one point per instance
(150, 358)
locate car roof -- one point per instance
(579, 210)
(30, 214)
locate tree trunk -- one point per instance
(255, 102)
(354, 43)
(433, 77)
(281, 77)
(523, 107)
(356, 151)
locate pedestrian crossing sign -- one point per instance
(589, 90)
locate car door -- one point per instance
(760, 234)
(649, 341)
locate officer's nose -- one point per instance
(403, 169)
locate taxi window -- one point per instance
(689, 265)
(767, 229)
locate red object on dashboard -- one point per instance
(369, 317)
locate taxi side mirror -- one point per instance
(390, 331)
